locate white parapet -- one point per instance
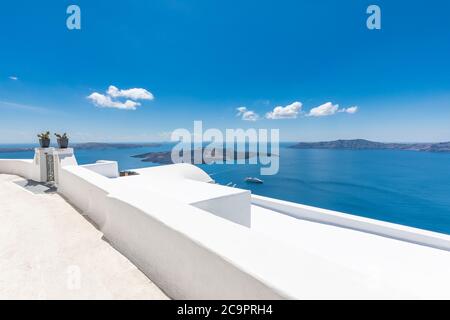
(182, 248)
(44, 167)
(192, 250)
(348, 221)
(199, 240)
(109, 169)
(21, 167)
(49, 161)
(190, 185)
(40, 161)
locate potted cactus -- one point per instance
(44, 139)
(63, 140)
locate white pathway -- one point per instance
(48, 250)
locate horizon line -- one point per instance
(283, 141)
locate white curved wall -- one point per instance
(156, 234)
(20, 167)
(176, 171)
(385, 229)
(178, 262)
(109, 169)
(192, 254)
(87, 190)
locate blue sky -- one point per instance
(201, 60)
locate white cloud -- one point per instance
(103, 101)
(350, 110)
(134, 94)
(289, 112)
(326, 109)
(293, 110)
(247, 115)
(13, 78)
(110, 99)
(329, 109)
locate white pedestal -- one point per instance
(40, 160)
(50, 160)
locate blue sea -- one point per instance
(404, 187)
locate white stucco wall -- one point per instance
(35, 169)
(175, 172)
(21, 167)
(229, 203)
(193, 254)
(386, 229)
(158, 237)
(87, 190)
(109, 169)
(236, 207)
(156, 234)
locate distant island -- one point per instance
(90, 146)
(361, 144)
(165, 157)
(101, 146)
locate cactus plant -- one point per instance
(63, 140)
(44, 139)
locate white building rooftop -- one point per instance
(387, 268)
(198, 240)
(49, 251)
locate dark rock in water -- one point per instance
(155, 157)
(165, 157)
(361, 144)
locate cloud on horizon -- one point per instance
(329, 109)
(288, 112)
(247, 115)
(110, 99)
(134, 94)
(293, 110)
(350, 110)
(326, 109)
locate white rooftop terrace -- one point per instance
(388, 268)
(49, 251)
(239, 246)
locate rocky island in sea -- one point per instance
(165, 157)
(361, 144)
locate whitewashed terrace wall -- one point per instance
(162, 239)
(20, 167)
(86, 190)
(109, 169)
(385, 229)
(192, 254)
(174, 258)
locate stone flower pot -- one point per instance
(45, 143)
(63, 143)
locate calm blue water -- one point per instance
(405, 187)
